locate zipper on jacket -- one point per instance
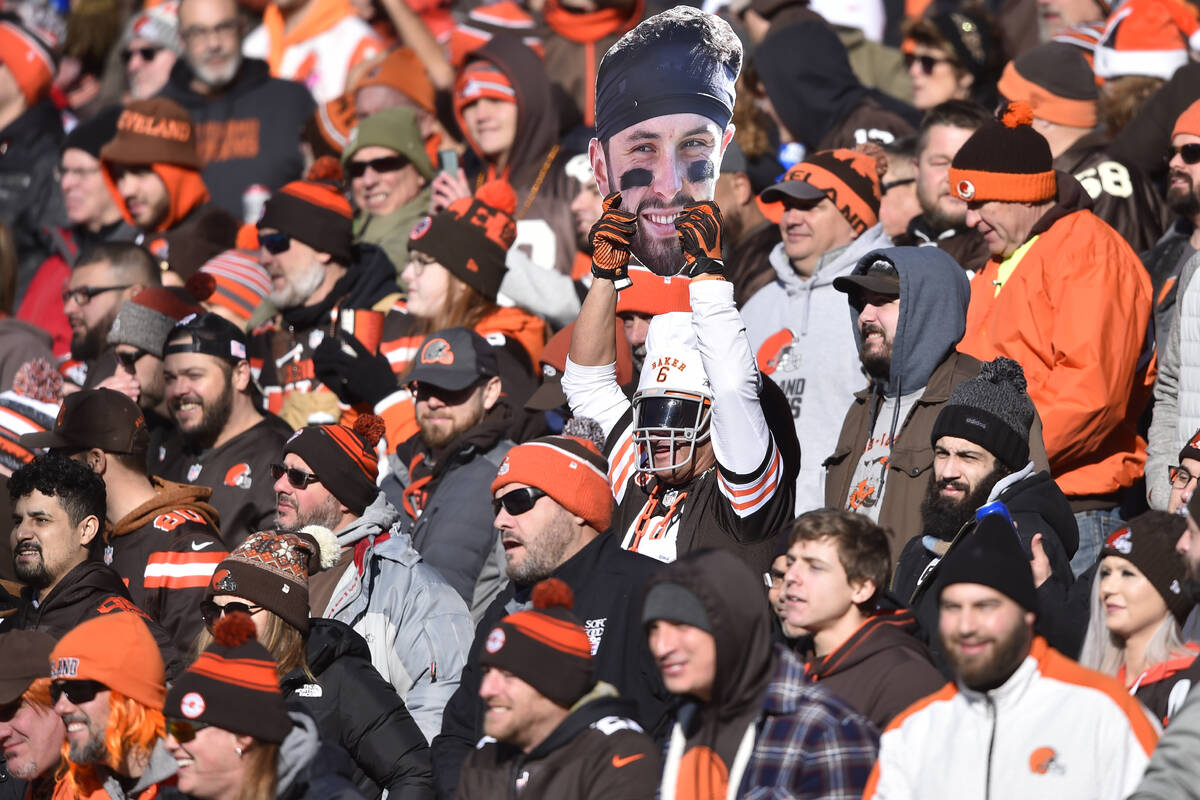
(987, 789)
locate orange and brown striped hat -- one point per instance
(313, 212)
(343, 458)
(233, 685)
(545, 646)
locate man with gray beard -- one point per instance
(247, 123)
(221, 439)
(553, 504)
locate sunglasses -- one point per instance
(356, 169)
(517, 502)
(78, 692)
(927, 62)
(298, 478)
(184, 730)
(128, 358)
(275, 243)
(1189, 153)
(146, 53)
(210, 612)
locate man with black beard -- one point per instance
(1020, 717)
(221, 439)
(103, 279)
(1172, 265)
(981, 454)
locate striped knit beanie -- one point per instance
(28, 58)
(233, 685)
(480, 79)
(234, 281)
(313, 212)
(569, 469)
(545, 646)
(30, 406)
(343, 458)
(1005, 160)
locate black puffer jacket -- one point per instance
(357, 709)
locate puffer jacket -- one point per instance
(356, 709)
(1076, 315)
(802, 338)
(1016, 740)
(598, 751)
(311, 769)
(417, 626)
(1177, 389)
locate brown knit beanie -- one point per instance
(313, 212)
(155, 131)
(471, 237)
(546, 646)
(344, 459)
(1005, 160)
(1148, 542)
(271, 569)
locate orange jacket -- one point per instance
(1075, 313)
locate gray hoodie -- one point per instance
(797, 328)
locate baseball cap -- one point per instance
(26, 658)
(453, 359)
(211, 334)
(100, 418)
(879, 276)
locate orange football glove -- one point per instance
(611, 238)
(699, 229)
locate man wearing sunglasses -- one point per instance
(389, 173)
(107, 684)
(1172, 268)
(164, 539)
(149, 48)
(247, 122)
(553, 509)
(319, 279)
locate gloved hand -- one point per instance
(611, 238)
(363, 377)
(699, 229)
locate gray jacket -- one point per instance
(417, 627)
(1174, 770)
(162, 765)
(803, 339)
(1176, 389)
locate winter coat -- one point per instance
(1165, 261)
(157, 779)
(449, 516)
(881, 669)
(31, 202)
(1036, 505)
(311, 769)
(804, 341)
(1052, 730)
(356, 709)
(1076, 315)
(1174, 771)
(88, 590)
(417, 627)
(390, 232)
(1163, 687)
(247, 134)
(608, 584)
(597, 752)
(1177, 388)
(1121, 194)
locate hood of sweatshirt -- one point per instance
(169, 496)
(885, 630)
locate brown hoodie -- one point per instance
(165, 551)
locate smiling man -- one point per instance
(552, 731)
(1000, 728)
(31, 734)
(1060, 280)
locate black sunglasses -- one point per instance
(184, 730)
(356, 169)
(1190, 153)
(275, 243)
(78, 692)
(927, 62)
(147, 53)
(517, 502)
(128, 358)
(298, 478)
(210, 612)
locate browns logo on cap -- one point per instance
(437, 351)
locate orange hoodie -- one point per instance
(185, 193)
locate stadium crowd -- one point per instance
(599, 399)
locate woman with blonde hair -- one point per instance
(322, 665)
(1139, 603)
(230, 732)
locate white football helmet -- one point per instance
(673, 402)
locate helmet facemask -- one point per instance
(671, 419)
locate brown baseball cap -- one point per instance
(100, 418)
(26, 658)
